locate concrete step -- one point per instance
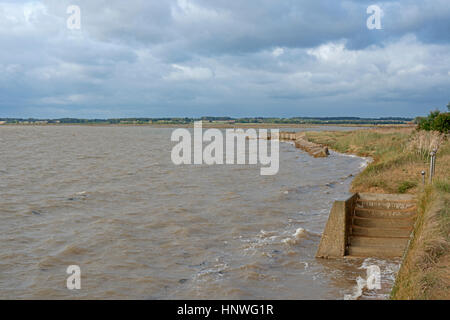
(378, 242)
(385, 197)
(380, 204)
(385, 213)
(363, 251)
(381, 232)
(383, 222)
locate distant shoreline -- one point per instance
(210, 125)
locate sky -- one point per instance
(191, 58)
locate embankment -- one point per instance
(314, 149)
(400, 155)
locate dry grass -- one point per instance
(423, 142)
(399, 156)
(425, 272)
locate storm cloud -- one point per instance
(218, 57)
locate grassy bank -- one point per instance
(425, 272)
(399, 156)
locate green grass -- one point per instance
(388, 149)
(443, 185)
(405, 186)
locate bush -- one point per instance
(442, 123)
(436, 121)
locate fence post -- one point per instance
(432, 164)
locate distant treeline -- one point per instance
(294, 120)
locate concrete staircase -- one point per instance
(381, 225)
(368, 225)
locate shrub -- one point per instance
(436, 121)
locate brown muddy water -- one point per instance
(109, 200)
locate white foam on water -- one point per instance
(365, 163)
(267, 238)
(365, 160)
(299, 234)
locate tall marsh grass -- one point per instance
(423, 142)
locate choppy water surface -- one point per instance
(110, 200)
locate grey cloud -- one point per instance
(197, 57)
(218, 27)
